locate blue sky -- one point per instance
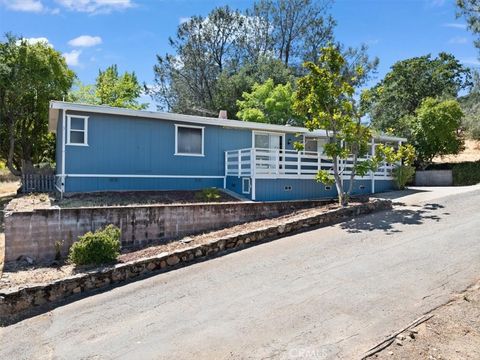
(94, 34)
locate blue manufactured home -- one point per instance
(101, 148)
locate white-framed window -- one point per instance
(266, 140)
(246, 185)
(314, 144)
(189, 140)
(311, 145)
(77, 130)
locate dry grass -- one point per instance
(471, 153)
(8, 188)
(452, 333)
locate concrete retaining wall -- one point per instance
(434, 178)
(34, 233)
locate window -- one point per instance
(189, 140)
(77, 130)
(268, 141)
(311, 145)
(315, 144)
(246, 185)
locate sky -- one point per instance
(93, 34)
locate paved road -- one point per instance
(327, 293)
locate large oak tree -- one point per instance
(31, 74)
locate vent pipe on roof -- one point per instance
(223, 114)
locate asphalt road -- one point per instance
(327, 293)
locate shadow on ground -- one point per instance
(399, 215)
(392, 195)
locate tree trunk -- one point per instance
(11, 150)
(352, 174)
(342, 196)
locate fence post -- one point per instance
(299, 163)
(239, 163)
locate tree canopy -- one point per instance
(30, 76)
(269, 103)
(434, 129)
(470, 10)
(111, 89)
(471, 109)
(411, 81)
(218, 57)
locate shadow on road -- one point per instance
(392, 195)
(387, 220)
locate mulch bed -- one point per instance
(29, 202)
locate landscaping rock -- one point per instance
(173, 260)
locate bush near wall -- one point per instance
(464, 173)
(100, 247)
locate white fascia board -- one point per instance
(193, 119)
(389, 138)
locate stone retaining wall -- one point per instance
(34, 233)
(15, 303)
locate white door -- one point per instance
(267, 160)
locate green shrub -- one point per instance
(466, 173)
(208, 195)
(100, 247)
(402, 175)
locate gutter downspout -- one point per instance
(253, 165)
(62, 175)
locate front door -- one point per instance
(267, 141)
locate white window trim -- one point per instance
(255, 132)
(249, 187)
(192, 127)
(85, 130)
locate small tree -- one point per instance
(326, 99)
(435, 130)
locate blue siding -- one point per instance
(274, 189)
(384, 185)
(140, 146)
(121, 184)
(360, 187)
(303, 189)
(122, 145)
(290, 139)
(234, 183)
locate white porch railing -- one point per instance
(272, 164)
